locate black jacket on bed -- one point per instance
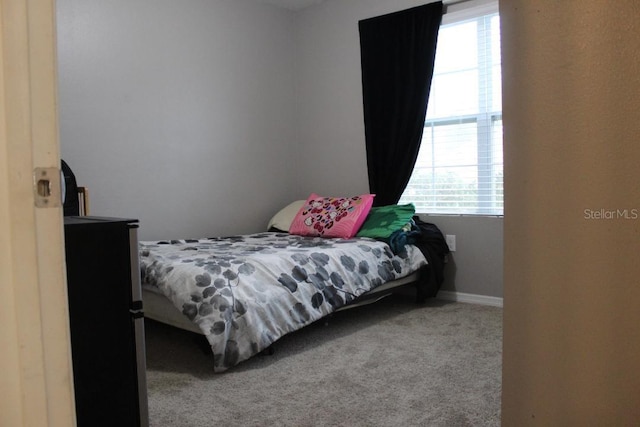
(429, 239)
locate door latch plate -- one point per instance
(47, 188)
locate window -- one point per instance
(459, 166)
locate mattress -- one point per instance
(157, 307)
(245, 292)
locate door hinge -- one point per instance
(47, 187)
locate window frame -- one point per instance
(485, 119)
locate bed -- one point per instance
(245, 292)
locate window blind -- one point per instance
(459, 169)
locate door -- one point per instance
(35, 361)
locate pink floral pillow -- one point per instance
(331, 216)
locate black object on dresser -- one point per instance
(107, 321)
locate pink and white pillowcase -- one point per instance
(331, 216)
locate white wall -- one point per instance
(179, 113)
(331, 133)
(476, 266)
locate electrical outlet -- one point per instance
(451, 242)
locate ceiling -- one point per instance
(292, 4)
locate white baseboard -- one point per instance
(469, 298)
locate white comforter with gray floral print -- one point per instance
(245, 292)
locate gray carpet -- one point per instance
(393, 363)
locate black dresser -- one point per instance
(107, 321)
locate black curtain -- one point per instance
(397, 52)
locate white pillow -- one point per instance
(282, 220)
